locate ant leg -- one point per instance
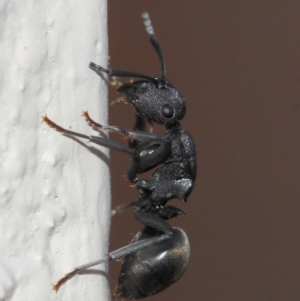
(136, 135)
(70, 275)
(150, 220)
(95, 125)
(141, 122)
(140, 125)
(117, 73)
(153, 221)
(169, 212)
(111, 144)
(58, 128)
(122, 208)
(155, 150)
(142, 185)
(150, 156)
(131, 248)
(147, 219)
(97, 140)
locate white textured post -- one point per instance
(54, 191)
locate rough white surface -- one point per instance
(54, 192)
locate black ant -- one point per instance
(158, 255)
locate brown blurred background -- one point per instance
(238, 65)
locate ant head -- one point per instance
(156, 100)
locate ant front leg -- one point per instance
(138, 135)
(140, 125)
(97, 140)
(148, 150)
(151, 151)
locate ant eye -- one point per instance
(140, 88)
(144, 85)
(167, 111)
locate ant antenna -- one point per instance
(118, 73)
(123, 73)
(154, 42)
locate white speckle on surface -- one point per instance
(54, 192)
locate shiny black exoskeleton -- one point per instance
(160, 102)
(158, 255)
(151, 270)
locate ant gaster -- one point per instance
(158, 255)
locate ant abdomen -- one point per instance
(151, 270)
